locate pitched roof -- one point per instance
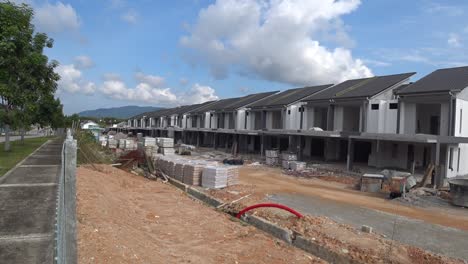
(289, 96)
(231, 104)
(364, 87)
(441, 80)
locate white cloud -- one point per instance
(150, 90)
(147, 90)
(449, 10)
(71, 80)
(274, 40)
(199, 94)
(83, 62)
(54, 18)
(152, 80)
(131, 16)
(454, 40)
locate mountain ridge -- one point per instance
(118, 112)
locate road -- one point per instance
(27, 204)
(442, 230)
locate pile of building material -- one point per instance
(149, 141)
(166, 145)
(286, 159)
(179, 171)
(103, 140)
(193, 173)
(112, 143)
(297, 165)
(122, 143)
(371, 182)
(215, 177)
(271, 157)
(130, 144)
(232, 175)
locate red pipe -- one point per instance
(280, 206)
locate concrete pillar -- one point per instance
(198, 138)
(262, 147)
(69, 247)
(214, 140)
(350, 155)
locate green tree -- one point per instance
(27, 78)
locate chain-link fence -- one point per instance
(65, 234)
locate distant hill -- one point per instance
(118, 112)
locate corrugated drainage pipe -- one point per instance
(280, 206)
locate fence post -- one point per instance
(69, 241)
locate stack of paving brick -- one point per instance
(214, 177)
(286, 159)
(271, 157)
(111, 143)
(129, 144)
(179, 170)
(193, 173)
(232, 175)
(122, 143)
(166, 145)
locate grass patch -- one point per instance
(18, 152)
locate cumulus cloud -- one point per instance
(55, 18)
(199, 94)
(131, 16)
(83, 62)
(152, 80)
(275, 40)
(72, 81)
(149, 89)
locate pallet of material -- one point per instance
(112, 143)
(271, 161)
(179, 171)
(193, 173)
(122, 143)
(271, 153)
(165, 142)
(288, 156)
(149, 141)
(232, 175)
(214, 177)
(129, 144)
(297, 165)
(166, 151)
(286, 164)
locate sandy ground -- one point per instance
(268, 180)
(123, 218)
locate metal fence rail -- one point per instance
(65, 225)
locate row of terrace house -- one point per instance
(379, 122)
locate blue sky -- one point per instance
(167, 53)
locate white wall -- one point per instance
(383, 120)
(293, 119)
(461, 130)
(407, 118)
(240, 119)
(338, 118)
(309, 116)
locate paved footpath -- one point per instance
(27, 207)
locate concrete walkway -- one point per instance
(439, 239)
(28, 196)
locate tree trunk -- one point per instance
(22, 136)
(7, 138)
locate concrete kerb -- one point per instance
(318, 250)
(281, 233)
(269, 227)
